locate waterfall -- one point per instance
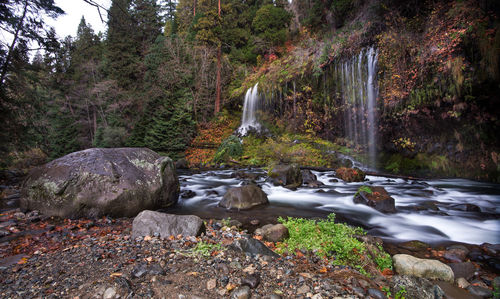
(248, 120)
(359, 91)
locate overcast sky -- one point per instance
(68, 24)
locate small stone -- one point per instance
(376, 294)
(242, 292)
(251, 280)
(255, 222)
(211, 284)
(139, 271)
(317, 296)
(462, 283)
(480, 291)
(110, 293)
(303, 289)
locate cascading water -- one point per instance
(359, 91)
(249, 120)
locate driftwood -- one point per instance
(372, 173)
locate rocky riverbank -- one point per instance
(52, 258)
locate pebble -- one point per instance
(242, 292)
(376, 294)
(303, 289)
(462, 283)
(110, 293)
(211, 284)
(251, 280)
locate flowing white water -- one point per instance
(358, 88)
(432, 211)
(250, 106)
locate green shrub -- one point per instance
(204, 249)
(230, 148)
(326, 238)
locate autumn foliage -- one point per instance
(209, 136)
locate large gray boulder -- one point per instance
(150, 223)
(405, 264)
(286, 175)
(244, 198)
(120, 182)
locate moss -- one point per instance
(143, 164)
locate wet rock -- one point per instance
(376, 294)
(187, 194)
(308, 176)
(243, 198)
(252, 280)
(453, 292)
(350, 174)
(466, 207)
(480, 291)
(465, 270)
(253, 247)
(273, 233)
(432, 269)
(119, 182)
(416, 287)
(181, 164)
(240, 174)
(414, 245)
(456, 253)
(242, 292)
(375, 197)
(150, 223)
(286, 175)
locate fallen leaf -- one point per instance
(323, 270)
(193, 273)
(23, 260)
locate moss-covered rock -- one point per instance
(286, 175)
(350, 174)
(120, 182)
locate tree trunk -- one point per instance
(217, 95)
(5, 65)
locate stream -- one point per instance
(433, 211)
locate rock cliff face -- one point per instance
(120, 182)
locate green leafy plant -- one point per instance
(326, 238)
(383, 259)
(204, 249)
(401, 293)
(387, 291)
(365, 189)
(230, 148)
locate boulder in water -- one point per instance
(120, 182)
(286, 175)
(350, 174)
(405, 264)
(310, 179)
(243, 198)
(375, 197)
(150, 223)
